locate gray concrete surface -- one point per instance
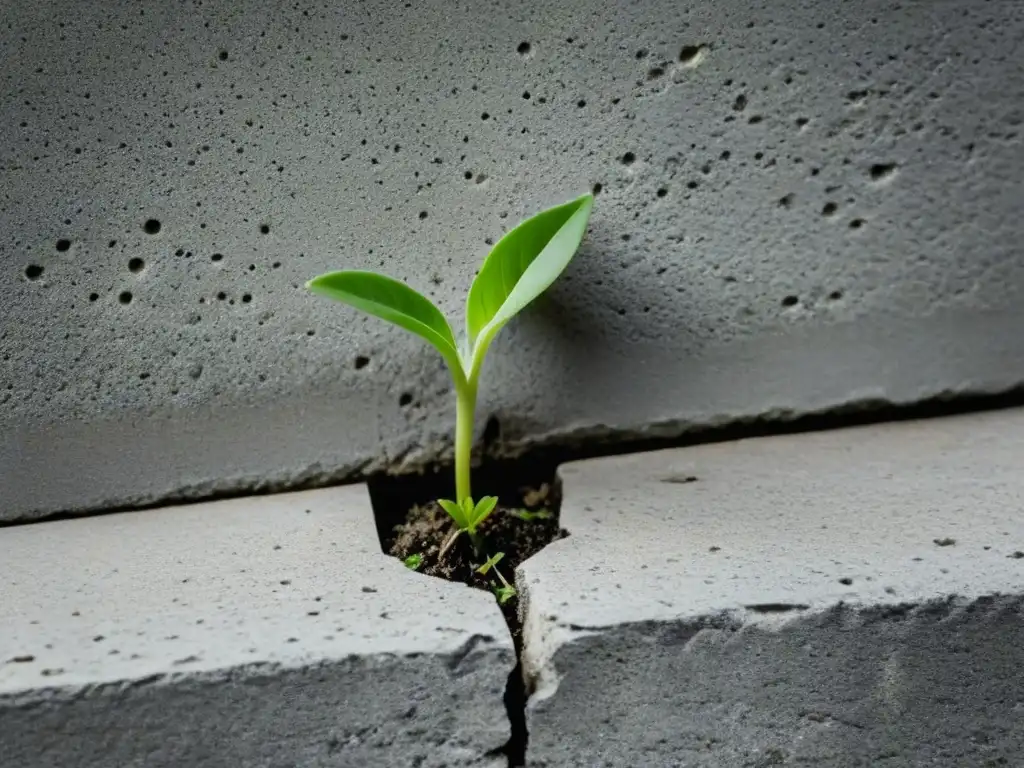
(254, 632)
(846, 598)
(801, 205)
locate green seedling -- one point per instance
(413, 562)
(469, 516)
(528, 517)
(505, 591)
(518, 269)
(491, 562)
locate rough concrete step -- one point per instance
(267, 631)
(848, 598)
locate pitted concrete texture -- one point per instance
(801, 205)
(253, 632)
(845, 598)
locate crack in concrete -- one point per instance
(562, 446)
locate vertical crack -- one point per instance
(413, 527)
(515, 706)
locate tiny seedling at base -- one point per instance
(519, 268)
(528, 516)
(413, 562)
(505, 591)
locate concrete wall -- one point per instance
(801, 205)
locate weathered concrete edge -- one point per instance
(473, 651)
(545, 640)
(295, 709)
(576, 442)
(140, 656)
(692, 671)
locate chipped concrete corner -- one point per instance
(800, 206)
(837, 599)
(257, 632)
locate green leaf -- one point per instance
(481, 511)
(504, 593)
(491, 562)
(457, 513)
(394, 301)
(528, 517)
(522, 265)
(413, 562)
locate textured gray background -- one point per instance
(801, 205)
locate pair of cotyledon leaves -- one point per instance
(468, 516)
(518, 269)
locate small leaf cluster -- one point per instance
(467, 515)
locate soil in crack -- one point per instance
(519, 527)
(412, 524)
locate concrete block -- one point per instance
(260, 632)
(844, 598)
(802, 206)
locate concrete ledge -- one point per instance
(849, 598)
(256, 632)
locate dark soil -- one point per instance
(427, 529)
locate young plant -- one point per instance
(413, 562)
(528, 517)
(505, 591)
(468, 516)
(518, 269)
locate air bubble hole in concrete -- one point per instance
(882, 171)
(692, 55)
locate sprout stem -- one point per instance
(465, 407)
